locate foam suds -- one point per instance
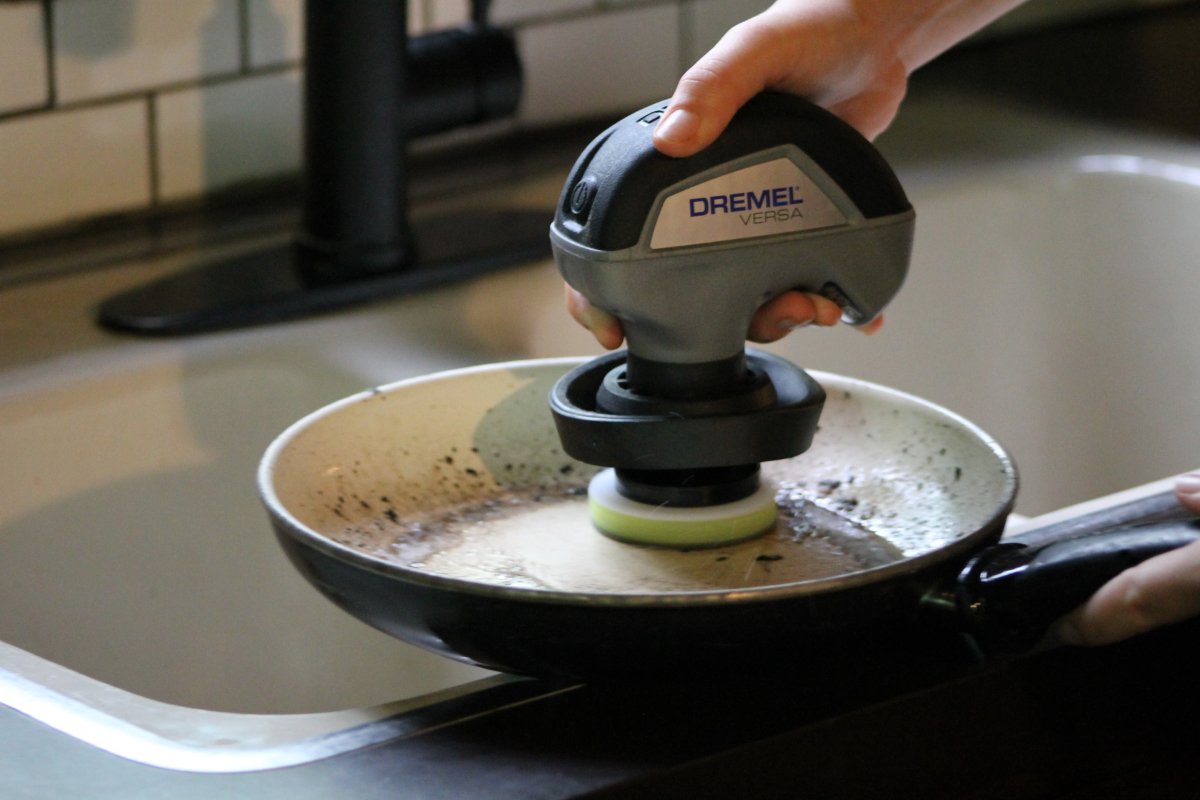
(542, 538)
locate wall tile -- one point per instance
(23, 78)
(418, 16)
(276, 30)
(706, 21)
(215, 136)
(438, 14)
(582, 58)
(64, 166)
(608, 63)
(1032, 15)
(106, 47)
(447, 13)
(276, 33)
(508, 11)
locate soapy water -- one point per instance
(541, 537)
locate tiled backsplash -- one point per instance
(108, 106)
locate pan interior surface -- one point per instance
(459, 478)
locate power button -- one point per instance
(582, 196)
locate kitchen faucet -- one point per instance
(368, 90)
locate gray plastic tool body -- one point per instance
(683, 251)
(718, 243)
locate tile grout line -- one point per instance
(280, 68)
(598, 8)
(686, 35)
(244, 36)
(246, 70)
(152, 151)
(147, 97)
(51, 72)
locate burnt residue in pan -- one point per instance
(540, 537)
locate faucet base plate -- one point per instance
(266, 285)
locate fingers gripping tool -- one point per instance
(683, 251)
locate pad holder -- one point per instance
(686, 471)
(672, 438)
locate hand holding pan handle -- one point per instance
(1010, 594)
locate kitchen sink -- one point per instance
(1052, 297)
(148, 610)
(133, 548)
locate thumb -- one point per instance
(1187, 490)
(711, 92)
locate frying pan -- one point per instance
(894, 517)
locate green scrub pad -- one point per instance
(627, 520)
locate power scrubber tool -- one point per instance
(683, 251)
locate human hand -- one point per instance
(773, 320)
(833, 52)
(1157, 592)
(850, 56)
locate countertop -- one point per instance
(923, 719)
(1063, 724)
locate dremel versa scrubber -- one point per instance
(683, 251)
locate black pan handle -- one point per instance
(1010, 594)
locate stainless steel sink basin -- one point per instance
(147, 609)
(139, 581)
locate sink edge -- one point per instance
(179, 738)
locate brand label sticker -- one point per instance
(761, 200)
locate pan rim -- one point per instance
(286, 524)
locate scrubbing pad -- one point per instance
(668, 526)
